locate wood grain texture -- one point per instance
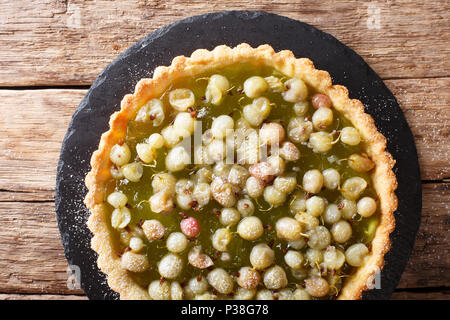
(41, 297)
(32, 258)
(27, 196)
(431, 249)
(439, 294)
(34, 123)
(426, 105)
(401, 39)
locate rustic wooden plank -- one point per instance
(440, 294)
(426, 105)
(431, 250)
(79, 38)
(41, 297)
(33, 123)
(32, 135)
(23, 196)
(32, 258)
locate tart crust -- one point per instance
(201, 60)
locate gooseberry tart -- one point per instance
(241, 173)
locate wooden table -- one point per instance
(52, 50)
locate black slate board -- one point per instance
(207, 31)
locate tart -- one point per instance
(241, 173)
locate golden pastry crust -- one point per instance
(202, 60)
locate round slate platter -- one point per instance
(207, 31)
